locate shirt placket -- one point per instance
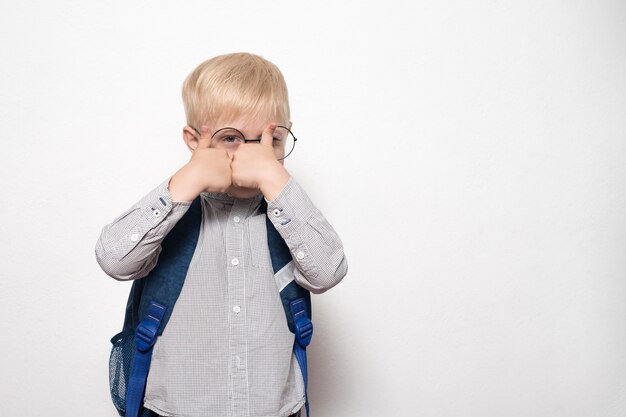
(237, 308)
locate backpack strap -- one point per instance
(296, 300)
(144, 342)
(152, 299)
(303, 332)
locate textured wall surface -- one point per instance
(470, 154)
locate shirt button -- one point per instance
(235, 261)
(236, 219)
(134, 237)
(300, 255)
(237, 309)
(276, 212)
(156, 212)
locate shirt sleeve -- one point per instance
(128, 247)
(315, 247)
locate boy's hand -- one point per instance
(208, 170)
(255, 165)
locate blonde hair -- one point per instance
(235, 85)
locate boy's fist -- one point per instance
(255, 166)
(208, 170)
(252, 162)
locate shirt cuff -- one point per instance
(154, 215)
(290, 209)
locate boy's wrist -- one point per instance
(179, 189)
(274, 182)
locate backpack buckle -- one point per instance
(302, 324)
(304, 331)
(145, 336)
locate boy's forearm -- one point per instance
(316, 249)
(129, 246)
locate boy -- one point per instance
(227, 350)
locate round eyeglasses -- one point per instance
(230, 138)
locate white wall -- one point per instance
(471, 156)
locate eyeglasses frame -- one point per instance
(258, 140)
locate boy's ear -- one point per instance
(190, 138)
(289, 125)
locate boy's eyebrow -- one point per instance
(244, 133)
(242, 130)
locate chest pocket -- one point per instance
(257, 239)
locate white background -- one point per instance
(471, 155)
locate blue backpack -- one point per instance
(152, 299)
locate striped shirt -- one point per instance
(227, 350)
